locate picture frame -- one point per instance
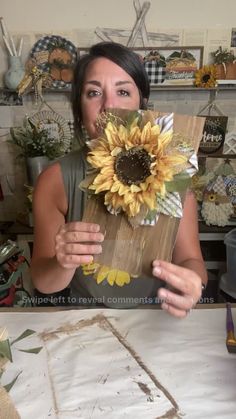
(180, 63)
(168, 65)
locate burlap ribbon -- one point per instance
(7, 408)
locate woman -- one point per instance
(109, 76)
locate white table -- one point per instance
(104, 363)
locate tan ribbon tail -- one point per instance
(189, 127)
(7, 408)
(3, 361)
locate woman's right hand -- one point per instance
(76, 243)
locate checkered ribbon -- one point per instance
(230, 184)
(156, 74)
(217, 185)
(171, 204)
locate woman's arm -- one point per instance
(187, 273)
(59, 248)
(187, 251)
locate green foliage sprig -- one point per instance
(35, 142)
(221, 56)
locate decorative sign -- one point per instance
(52, 129)
(10, 98)
(55, 124)
(213, 134)
(177, 64)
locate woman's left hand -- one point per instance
(185, 288)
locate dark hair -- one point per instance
(120, 55)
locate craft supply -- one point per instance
(230, 340)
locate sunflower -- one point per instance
(133, 164)
(206, 76)
(102, 272)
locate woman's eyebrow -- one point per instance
(118, 83)
(95, 82)
(121, 83)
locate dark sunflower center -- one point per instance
(132, 167)
(205, 78)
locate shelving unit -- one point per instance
(210, 94)
(210, 236)
(173, 87)
(153, 88)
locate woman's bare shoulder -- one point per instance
(50, 186)
(49, 177)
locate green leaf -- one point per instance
(32, 351)
(5, 349)
(32, 126)
(151, 216)
(35, 142)
(131, 117)
(11, 384)
(24, 335)
(180, 182)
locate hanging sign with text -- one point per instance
(213, 134)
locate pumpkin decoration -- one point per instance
(60, 63)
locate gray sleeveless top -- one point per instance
(84, 289)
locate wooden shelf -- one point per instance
(204, 228)
(45, 90)
(192, 88)
(217, 156)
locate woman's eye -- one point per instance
(123, 93)
(92, 93)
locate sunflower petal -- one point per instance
(122, 278)
(134, 188)
(111, 276)
(102, 273)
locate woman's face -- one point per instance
(106, 85)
